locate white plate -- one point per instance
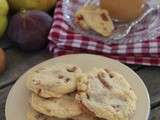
(17, 101)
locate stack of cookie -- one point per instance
(64, 92)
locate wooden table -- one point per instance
(18, 62)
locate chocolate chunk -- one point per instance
(104, 17)
(88, 97)
(60, 76)
(39, 91)
(108, 71)
(80, 17)
(73, 69)
(116, 107)
(67, 80)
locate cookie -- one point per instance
(79, 17)
(53, 81)
(85, 117)
(34, 115)
(107, 94)
(96, 19)
(64, 107)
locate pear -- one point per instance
(3, 16)
(4, 7)
(3, 24)
(44, 5)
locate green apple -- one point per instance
(44, 5)
(4, 7)
(3, 24)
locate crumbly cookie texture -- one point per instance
(53, 81)
(107, 94)
(97, 19)
(64, 107)
(85, 116)
(34, 115)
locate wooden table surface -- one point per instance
(18, 62)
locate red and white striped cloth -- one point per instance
(63, 40)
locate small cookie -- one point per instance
(96, 19)
(107, 94)
(53, 81)
(34, 115)
(64, 107)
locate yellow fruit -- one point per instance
(44, 5)
(3, 24)
(4, 7)
(3, 16)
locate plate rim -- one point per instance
(80, 54)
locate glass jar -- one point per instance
(124, 10)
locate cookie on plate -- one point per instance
(34, 115)
(97, 19)
(64, 107)
(107, 94)
(85, 116)
(53, 81)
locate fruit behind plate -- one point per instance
(29, 29)
(3, 16)
(44, 5)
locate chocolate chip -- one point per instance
(39, 91)
(116, 107)
(39, 116)
(60, 76)
(73, 69)
(67, 80)
(108, 71)
(101, 75)
(104, 17)
(80, 17)
(88, 97)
